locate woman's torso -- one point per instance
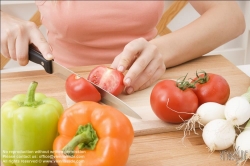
(94, 32)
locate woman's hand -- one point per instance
(17, 34)
(145, 64)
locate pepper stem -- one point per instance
(85, 138)
(30, 96)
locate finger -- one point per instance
(130, 53)
(4, 45)
(12, 47)
(147, 77)
(140, 64)
(158, 73)
(22, 47)
(115, 62)
(37, 38)
(4, 50)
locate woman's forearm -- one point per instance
(219, 23)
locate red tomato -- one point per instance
(211, 88)
(172, 104)
(79, 89)
(107, 78)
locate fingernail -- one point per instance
(130, 90)
(127, 81)
(49, 56)
(120, 68)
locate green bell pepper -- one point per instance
(28, 128)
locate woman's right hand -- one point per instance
(17, 34)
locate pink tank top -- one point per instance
(94, 32)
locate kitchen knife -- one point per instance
(52, 67)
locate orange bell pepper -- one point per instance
(91, 134)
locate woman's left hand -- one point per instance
(144, 62)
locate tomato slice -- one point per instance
(79, 89)
(108, 79)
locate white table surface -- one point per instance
(245, 69)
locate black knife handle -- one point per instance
(36, 57)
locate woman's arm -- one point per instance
(220, 22)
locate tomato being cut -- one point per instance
(172, 102)
(211, 87)
(107, 78)
(79, 89)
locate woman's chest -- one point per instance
(93, 19)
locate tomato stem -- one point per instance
(85, 138)
(203, 79)
(183, 84)
(200, 80)
(30, 96)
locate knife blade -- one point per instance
(53, 67)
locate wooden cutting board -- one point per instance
(140, 101)
(18, 82)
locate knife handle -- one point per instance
(36, 57)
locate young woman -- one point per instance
(121, 33)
